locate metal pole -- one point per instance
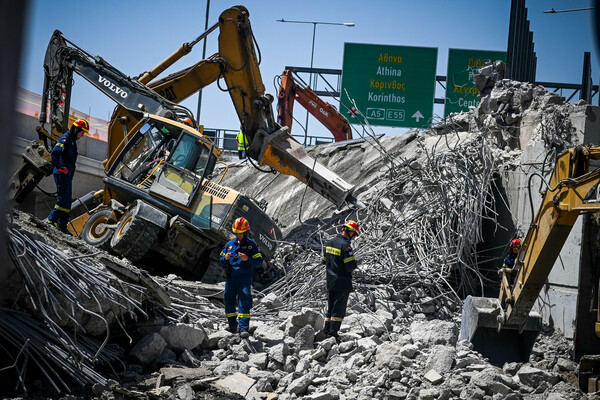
(310, 82)
(203, 57)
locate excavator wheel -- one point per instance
(134, 236)
(95, 232)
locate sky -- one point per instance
(135, 36)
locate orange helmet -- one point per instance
(83, 124)
(240, 225)
(188, 121)
(351, 226)
(515, 243)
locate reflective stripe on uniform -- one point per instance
(257, 255)
(244, 315)
(333, 250)
(222, 253)
(328, 319)
(348, 259)
(231, 314)
(337, 319)
(61, 145)
(59, 208)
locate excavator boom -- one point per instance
(497, 325)
(325, 113)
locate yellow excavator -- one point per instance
(159, 194)
(504, 329)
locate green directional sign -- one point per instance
(462, 67)
(390, 85)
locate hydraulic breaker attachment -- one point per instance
(500, 343)
(36, 166)
(282, 152)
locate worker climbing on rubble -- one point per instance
(340, 262)
(64, 156)
(240, 256)
(511, 258)
(242, 143)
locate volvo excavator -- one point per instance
(290, 91)
(159, 194)
(504, 329)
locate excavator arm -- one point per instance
(573, 190)
(62, 60)
(325, 113)
(235, 68)
(505, 329)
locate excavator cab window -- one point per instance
(192, 154)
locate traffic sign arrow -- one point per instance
(417, 116)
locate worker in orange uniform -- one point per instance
(240, 256)
(64, 155)
(340, 262)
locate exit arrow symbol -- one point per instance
(417, 116)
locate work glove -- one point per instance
(63, 170)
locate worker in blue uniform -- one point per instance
(64, 156)
(510, 259)
(240, 256)
(340, 262)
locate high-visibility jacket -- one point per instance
(242, 141)
(238, 270)
(340, 262)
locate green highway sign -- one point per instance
(462, 67)
(391, 85)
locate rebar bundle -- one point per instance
(70, 296)
(420, 228)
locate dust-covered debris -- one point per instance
(427, 194)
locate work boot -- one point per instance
(232, 328)
(244, 334)
(65, 231)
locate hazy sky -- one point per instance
(135, 36)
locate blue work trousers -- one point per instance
(59, 216)
(240, 294)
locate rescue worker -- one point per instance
(511, 258)
(340, 262)
(64, 156)
(240, 256)
(188, 121)
(242, 143)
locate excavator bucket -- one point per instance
(479, 325)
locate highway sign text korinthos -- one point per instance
(390, 85)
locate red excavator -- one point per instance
(289, 91)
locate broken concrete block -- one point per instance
(299, 386)
(268, 333)
(304, 338)
(278, 352)
(441, 358)
(533, 377)
(434, 332)
(185, 392)
(306, 317)
(389, 356)
(235, 383)
(148, 349)
(434, 377)
(258, 359)
(271, 301)
(182, 336)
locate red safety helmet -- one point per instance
(515, 243)
(83, 125)
(240, 225)
(351, 226)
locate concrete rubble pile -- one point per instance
(427, 194)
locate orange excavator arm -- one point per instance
(324, 112)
